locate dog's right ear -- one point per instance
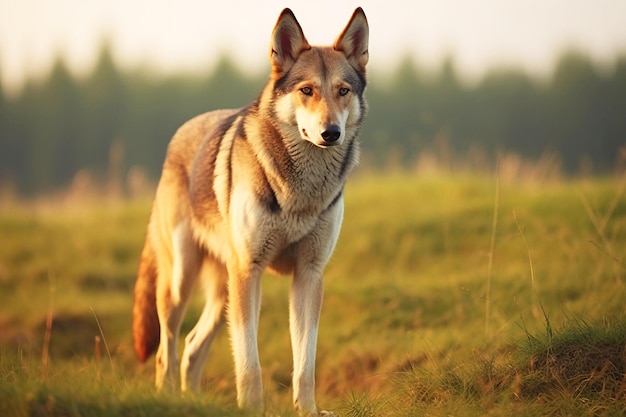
(288, 42)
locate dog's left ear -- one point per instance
(354, 39)
(288, 42)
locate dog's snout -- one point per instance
(332, 133)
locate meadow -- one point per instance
(448, 294)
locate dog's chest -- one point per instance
(294, 218)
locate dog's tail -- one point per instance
(146, 329)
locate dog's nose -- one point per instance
(332, 133)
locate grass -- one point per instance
(447, 295)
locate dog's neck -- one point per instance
(304, 177)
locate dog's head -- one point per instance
(320, 89)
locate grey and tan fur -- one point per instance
(249, 189)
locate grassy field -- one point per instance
(447, 295)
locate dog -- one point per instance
(250, 189)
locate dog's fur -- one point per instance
(246, 189)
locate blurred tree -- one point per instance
(589, 109)
(105, 112)
(506, 114)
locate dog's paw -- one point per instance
(324, 413)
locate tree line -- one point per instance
(64, 124)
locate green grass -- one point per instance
(415, 321)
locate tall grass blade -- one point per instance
(104, 340)
(49, 319)
(494, 225)
(549, 331)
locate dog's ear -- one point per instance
(288, 42)
(354, 39)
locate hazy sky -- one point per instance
(170, 35)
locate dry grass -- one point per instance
(403, 329)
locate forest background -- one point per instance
(110, 127)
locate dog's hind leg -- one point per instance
(197, 343)
(172, 297)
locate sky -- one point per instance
(189, 35)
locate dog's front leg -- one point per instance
(305, 306)
(243, 316)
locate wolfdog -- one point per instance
(250, 189)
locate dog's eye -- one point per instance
(343, 91)
(307, 91)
